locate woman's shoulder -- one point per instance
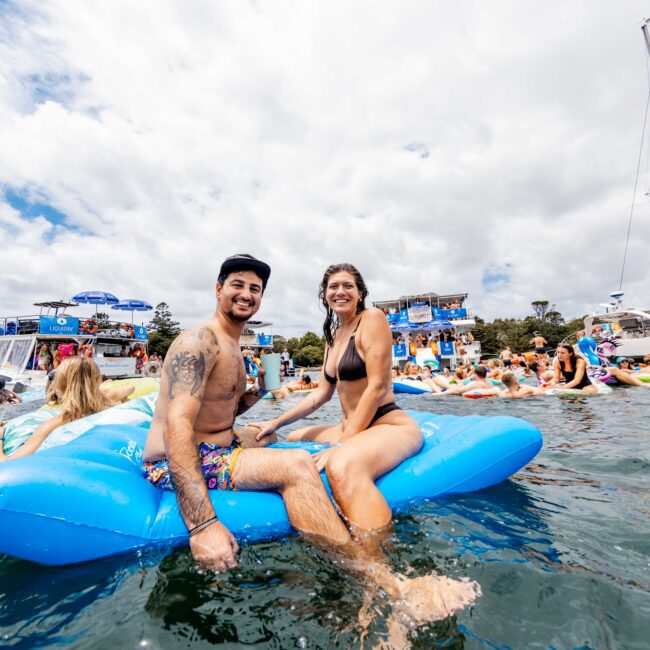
(374, 316)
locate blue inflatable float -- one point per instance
(88, 499)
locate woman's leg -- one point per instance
(321, 433)
(353, 468)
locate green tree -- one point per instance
(279, 343)
(162, 322)
(103, 320)
(310, 355)
(540, 307)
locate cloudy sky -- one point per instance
(480, 147)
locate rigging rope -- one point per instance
(638, 166)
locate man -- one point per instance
(285, 358)
(191, 440)
(479, 382)
(506, 357)
(539, 342)
(541, 371)
(515, 390)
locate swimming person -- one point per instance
(572, 369)
(515, 390)
(192, 445)
(478, 382)
(375, 435)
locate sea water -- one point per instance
(561, 551)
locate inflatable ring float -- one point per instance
(89, 326)
(88, 499)
(129, 329)
(86, 350)
(152, 369)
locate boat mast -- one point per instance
(646, 38)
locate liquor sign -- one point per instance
(140, 332)
(68, 325)
(454, 313)
(419, 313)
(447, 348)
(399, 351)
(264, 339)
(437, 313)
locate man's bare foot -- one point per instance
(433, 598)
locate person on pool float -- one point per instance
(75, 389)
(374, 436)
(625, 373)
(541, 371)
(303, 383)
(571, 369)
(8, 396)
(479, 382)
(514, 390)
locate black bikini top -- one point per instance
(351, 365)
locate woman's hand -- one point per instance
(321, 458)
(265, 428)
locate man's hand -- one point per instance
(214, 548)
(266, 428)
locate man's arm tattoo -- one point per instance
(186, 373)
(190, 490)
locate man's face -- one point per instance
(240, 295)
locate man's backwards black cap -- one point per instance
(244, 262)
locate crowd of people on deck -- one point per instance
(51, 355)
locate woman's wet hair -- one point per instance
(331, 323)
(306, 379)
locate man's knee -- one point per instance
(298, 466)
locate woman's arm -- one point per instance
(36, 439)
(319, 396)
(580, 373)
(556, 374)
(375, 342)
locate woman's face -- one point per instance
(562, 354)
(342, 295)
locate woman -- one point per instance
(375, 435)
(44, 358)
(572, 369)
(75, 389)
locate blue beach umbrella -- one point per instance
(438, 325)
(132, 304)
(96, 298)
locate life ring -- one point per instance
(152, 369)
(86, 350)
(89, 326)
(128, 329)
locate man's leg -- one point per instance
(293, 474)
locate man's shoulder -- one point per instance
(203, 336)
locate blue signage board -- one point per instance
(454, 313)
(437, 313)
(399, 351)
(264, 339)
(140, 332)
(446, 348)
(64, 325)
(392, 318)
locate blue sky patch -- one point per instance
(496, 277)
(32, 209)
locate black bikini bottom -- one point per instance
(382, 410)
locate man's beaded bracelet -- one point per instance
(200, 527)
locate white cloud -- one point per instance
(172, 135)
